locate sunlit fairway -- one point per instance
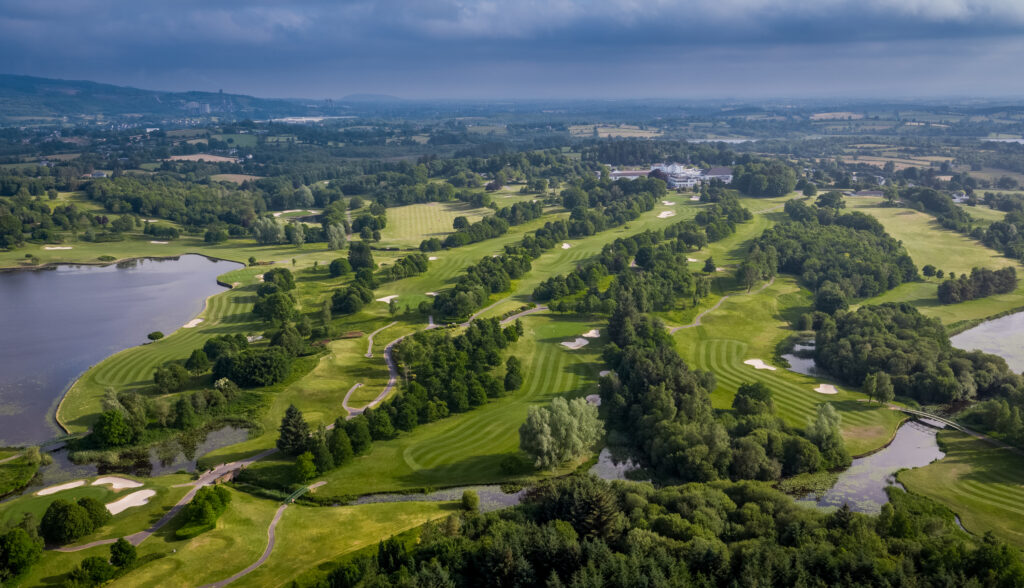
(750, 326)
(468, 448)
(928, 243)
(983, 484)
(409, 225)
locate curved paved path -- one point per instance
(266, 553)
(369, 344)
(526, 312)
(696, 321)
(204, 480)
(11, 458)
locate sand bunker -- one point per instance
(116, 483)
(826, 389)
(604, 373)
(667, 214)
(432, 258)
(668, 203)
(695, 198)
(192, 323)
(593, 400)
(566, 246)
(53, 248)
(159, 242)
(134, 499)
(387, 299)
(592, 334)
(691, 260)
(254, 338)
(719, 269)
(430, 293)
(60, 488)
(759, 365)
(579, 342)
(277, 214)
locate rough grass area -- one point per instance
(15, 474)
(982, 484)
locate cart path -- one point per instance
(204, 480)
(369, 344)
(696, 321)
(263, 558)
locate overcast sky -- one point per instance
(526, 48)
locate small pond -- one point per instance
(862, 486)
(1002, 336)
(801, 361)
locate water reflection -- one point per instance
(862, 486)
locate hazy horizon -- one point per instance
(500, 49)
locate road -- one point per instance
(266, 553)
(369, 344)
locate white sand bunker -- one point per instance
(566, 246)
(592, 334)
(387, 299)
(432, 258)
(826, 389)
(719, 269)
(593, 400)
(134, 499)
(259, 278)
(668, 203)
(430, 293)
(667, 214)
(277, 214)
(192, 323)
(116, 483)
(604, 373)
(60, 488)
(254, 338)
(54, 248)
(759, 365)
(159, 242)
(579, 342)
(695, 198)
(691, 260)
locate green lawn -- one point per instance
(468, 448)
(409, 225)
(334, 532)
(749, 326)
(983, 484)
(16, 473)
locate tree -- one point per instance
(460, 222)
(709, 265)
(559, 433)
(824, 431)
(340, 267)
(98, 513)
(122, 553)
(870, 386)
(322, 456)
(112, 429)
(885, 391)
(268, 231)
(294, 432)
(185, 417)
(64, 522)
(392, 307)
(358, 430)
(340, 445)
(171, 377)
(197, 363)
(470, 501)
(305, 468)
(830, 299)
(296, 234)
(513, 373)
(335, 237)
(810, 189)
(155, 335)
(928, 270)
(360, 256)
(19, 549)
(93, 571)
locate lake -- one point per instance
(1002, 336)
(58, 322)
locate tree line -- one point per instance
(980, 283)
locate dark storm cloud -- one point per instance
(524, 48)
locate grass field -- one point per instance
(409, 225)
(928, 243)
(984, 485)
(335, 531)
(749, 326)
(468, 448)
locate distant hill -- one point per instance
(27, 98)
(376, 98)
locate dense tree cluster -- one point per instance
(597, 205)
(771, 180)
(662, 409)
(201, 513)
(65, 521)
(583, 532)
(982, 282)
(24, 218)
(410, 265)
(488, 276)
(559, 433)
(847, 256)
(915, 352)
(20, 547)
